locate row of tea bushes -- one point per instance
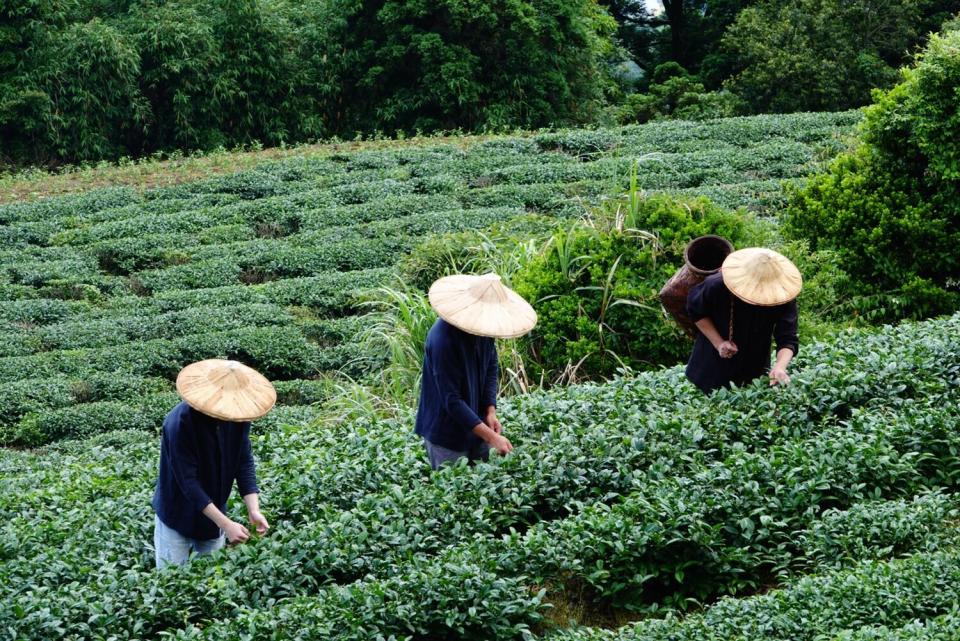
(21, 397)
(942, 628)
(281, 352)
(835, 605)
(330, 294)
(715, 537)
(112, 331)
(358, 502)
(143, 413)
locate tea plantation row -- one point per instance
(265, 266)
(640, 493)
(910, 599)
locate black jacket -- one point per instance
(753, 328)
(200, 457)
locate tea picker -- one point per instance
(457, 412)
(205, 448)
(740, 306)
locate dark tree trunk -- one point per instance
(674, 11)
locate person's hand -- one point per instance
(727, 349)
(493, 422)
(260, 523)
(236, 533)
(501, 445)
(779, 376)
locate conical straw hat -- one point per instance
(482, 305)
(761, 276)
(227, 390)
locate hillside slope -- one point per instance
(638, 495)
(105, 294)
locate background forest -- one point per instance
(88, 80)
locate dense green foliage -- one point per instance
(86, 80)
(428, 65)
(596, 286)
(832, 605)
(818, 54)
(265, 265)
(767, 55)
(834, 497)
(641, 492)
(674, 93)
(891, 206)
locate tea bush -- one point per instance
(941, 628)
(817, 607)
(355, 512)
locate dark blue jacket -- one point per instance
(200, 457)
(459, 383)
(754, 327)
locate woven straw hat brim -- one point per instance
(761, 276)
(482, 306)
(226, 390)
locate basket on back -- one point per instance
(702, 257)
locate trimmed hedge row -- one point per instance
(942, 628)
(281, 352)
(73, 205)
(896, 592)
(22, 397)
(42, 311)
(381, 513)
(124, 329)
(145, 413)
(399, 545)
(443, 601)
(79, 421)
(329, 294)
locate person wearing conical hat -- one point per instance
(205, 448)
(739, 311)
(457, 413)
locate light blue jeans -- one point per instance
(172, 548)
(439, 455)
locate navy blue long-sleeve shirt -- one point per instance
(200, 458)
(459, 383)
(754, 326)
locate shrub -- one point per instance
(93, 418)
(595, 287)
(891, 207)
(874, 529)
(40, 311)
(501, 248)
(817, 607)
(304, 392)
